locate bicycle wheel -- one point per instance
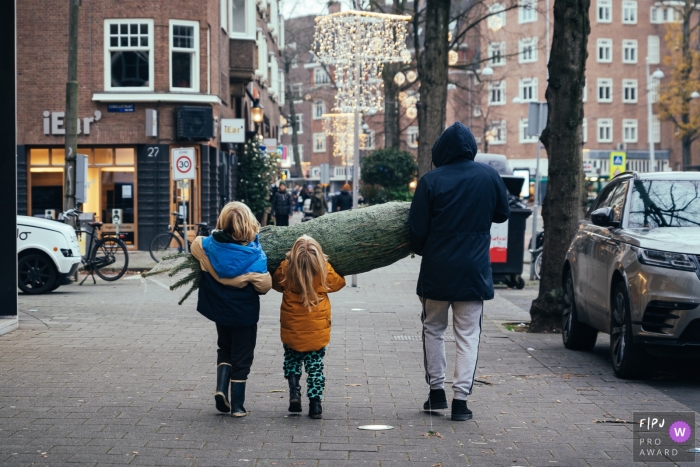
(110, 258)
(164, 244)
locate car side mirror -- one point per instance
(603, 217)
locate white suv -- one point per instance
(48, 254)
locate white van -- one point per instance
(48, 254)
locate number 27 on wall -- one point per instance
(153, 151)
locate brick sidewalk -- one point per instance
(119, 374)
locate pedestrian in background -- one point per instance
(298, 199)
(234, 275)
(319, 205)
(282, 205)
(450, 227)
(305, 279)
(344, 199)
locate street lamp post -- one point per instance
(658, 74)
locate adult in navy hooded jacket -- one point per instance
(450, 220)
(450, 223)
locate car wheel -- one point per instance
(575, 334)
(36, 274)
(628, 358)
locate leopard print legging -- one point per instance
(313, 363)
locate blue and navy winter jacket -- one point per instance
(233, 278)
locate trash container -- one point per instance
(508, 239)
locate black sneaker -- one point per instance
(436, 400)
(460, 412)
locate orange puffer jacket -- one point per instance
(301, 328)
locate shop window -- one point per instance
(124, 156)
(39, 157)
(184, 56)
(103, 156)
(58, 156)
(129, 55)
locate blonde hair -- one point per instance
(237, 220)
(306, 263)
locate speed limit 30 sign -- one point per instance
(183, 164)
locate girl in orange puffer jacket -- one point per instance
(305, 278)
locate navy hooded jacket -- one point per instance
(450, 220)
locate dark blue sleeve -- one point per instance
(502, 211)
(419, 217)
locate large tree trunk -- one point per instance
(295, 136)
(432, 71)
(391, 106)
(563, 140)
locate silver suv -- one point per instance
(633, 271)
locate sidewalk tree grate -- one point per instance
(404, 337)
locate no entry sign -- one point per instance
(183, 164)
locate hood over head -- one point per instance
(232, 260)
(456, 142)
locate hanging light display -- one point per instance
(357, 44)
(341, 126)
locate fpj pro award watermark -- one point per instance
(664, 437)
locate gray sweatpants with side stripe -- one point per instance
(467, 322)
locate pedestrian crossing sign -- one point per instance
(618, 162)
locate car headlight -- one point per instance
(665, 259)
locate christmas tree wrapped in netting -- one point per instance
(256, 171)
(356, 241)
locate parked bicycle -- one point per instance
(536, 254)
(169, 243)
(105, 255)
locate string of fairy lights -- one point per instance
(356, 44)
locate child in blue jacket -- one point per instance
(234, 275)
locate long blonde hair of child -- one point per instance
(238, 221)
(306, 263)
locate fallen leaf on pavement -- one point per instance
(277, 390)
(432, 433)
(353, 384)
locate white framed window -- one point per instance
(584, 130)
(274, 88)
(223, 14)
(527, 11)
(605, 90)
(497, 133)
(295, 62)
(585, 90)
(128, 61)
(319, 109)
(655, 129)
(524, 138)
(300, 123)
(297, 90)
(528, 89)
(477, 111)
(654, 94)
(604, 54)
(282, 88)
(369, 141)
(664, 14)
(241, 19)
(319, 142)
(629, 130)
(604, 11)
(321, 76)
(497, 53)
(629, 91)
(261, 44)
(605, 130)
(497, 18)
(412, 136)
(527, 50)
(653, 45)
(184, 55)
(300, 147)
(629, 12)
(497, 93)
(629, 51)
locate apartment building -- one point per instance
(624, 34)
(153, 76)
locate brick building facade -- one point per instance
(183, 66)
